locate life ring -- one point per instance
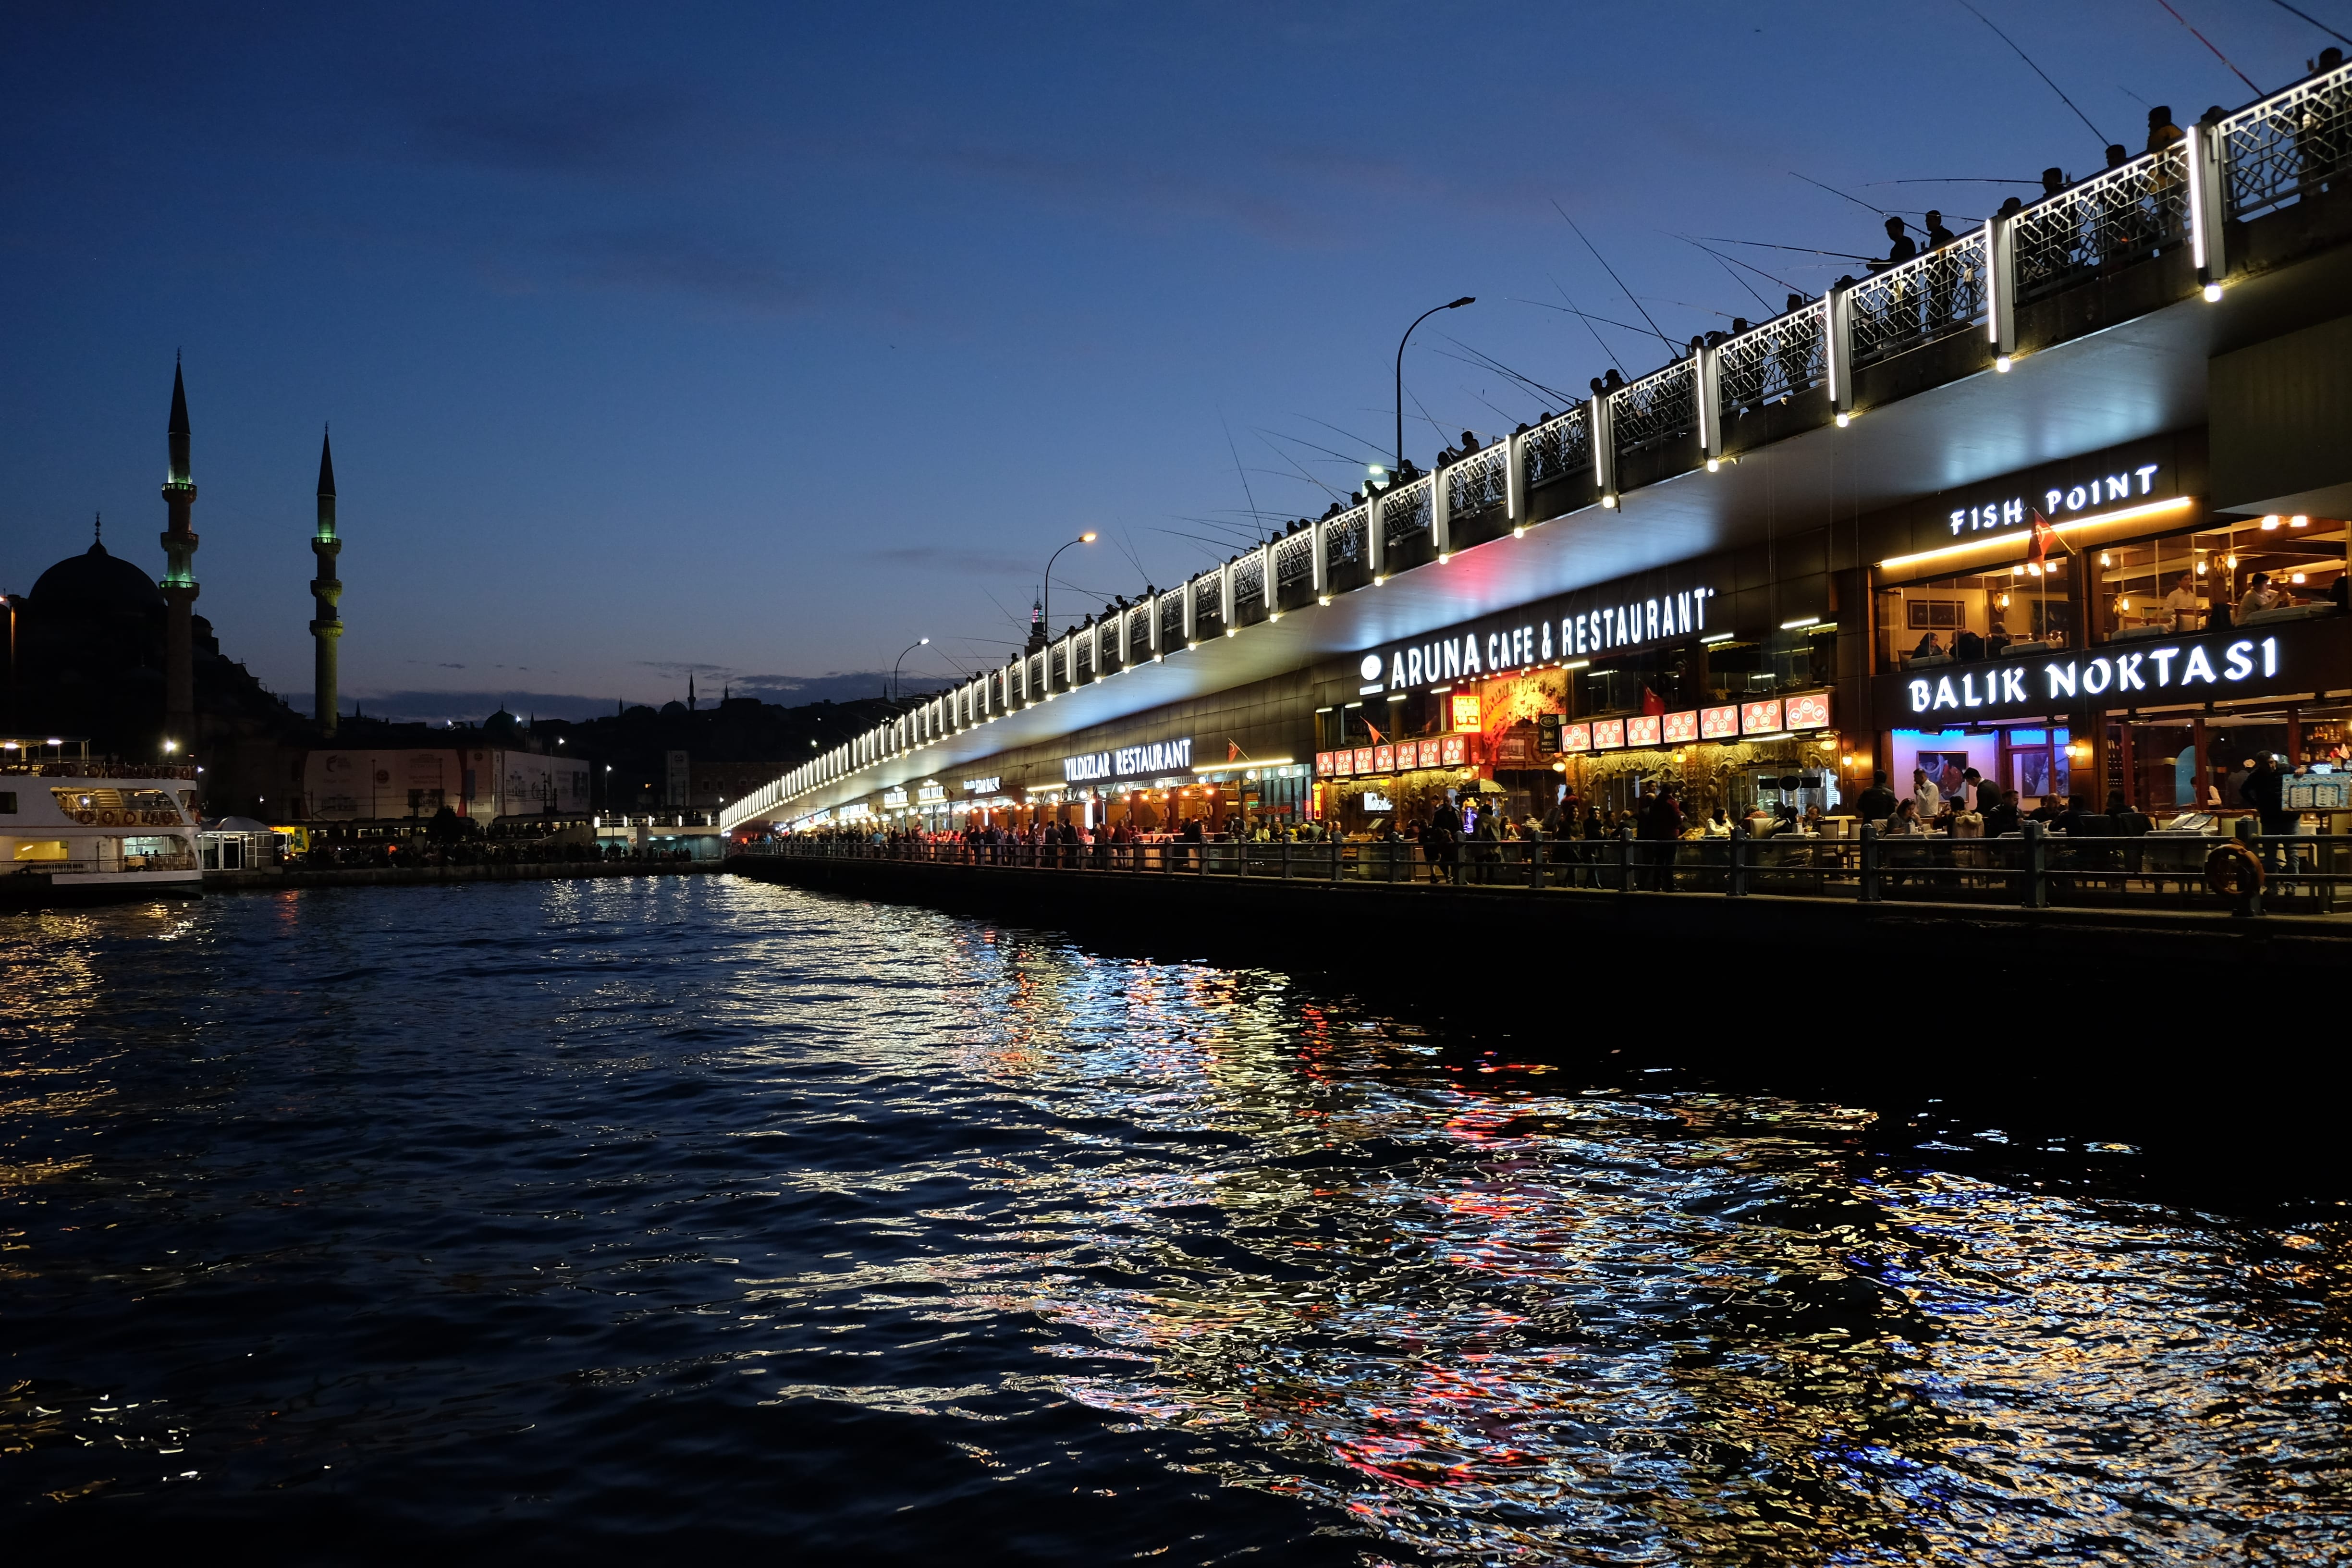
(2234, 871)
(87, 818)
(109, 819)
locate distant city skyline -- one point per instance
(762, 348)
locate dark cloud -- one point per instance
(466, 707)
(629, 128)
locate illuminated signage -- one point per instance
(2189, 668)
(1760, 718)
(1383, 759)
(1718, 723)
(1363, 760)
(982, 787)
(1608, 734)
(1343, 764)
(1682, 727)
(2057, 501)
(1322, 761)
(1128, 762)
(1559, 629)
(893, 799)
(1576, 737)
(1453, 751)
(1465, 711)
(1433, 755)
(930, 792)
(1644, 731)
(1810, 712)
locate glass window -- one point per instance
(1976, 616)
(2236, 567)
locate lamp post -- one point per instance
(1465, 299)
(1045, 599)
(919, 642)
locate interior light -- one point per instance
(2298, 521)
(2106, 559)
(2271, 521)
(2295, 577)
(2200, 569)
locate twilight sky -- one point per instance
(762, 340)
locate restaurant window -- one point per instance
(2182, 582)
(1976, 614)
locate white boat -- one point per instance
(79, 829)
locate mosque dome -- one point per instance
(95, 583)
(673, 710)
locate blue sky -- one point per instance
(760, 342)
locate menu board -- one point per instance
(1343, 764)
(1718, 723)
(1576, 737)
(1682, 727)
(1759, 718)
(1452, 749)
(1810, 712)
(1465, 711)
(1642, 731)
(1322, 761)
(1431, 753)
(1383, 759)
(1608, 734)
(1363, 759)
(2324, 792)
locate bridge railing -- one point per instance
(2275, 874)
(2279, 149)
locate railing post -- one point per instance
(1624, 860)
(2250, 902)
(1240, 855)
(1440, 531)
(1837, 350)
(1707, 397)
(1225, 596)
(2037, 868)
(1736, 884)
(1514, 481)
(1191, 592)
(1322, 562)
(1603, 438)
(1286, 859)
(1534, 862)
(2000, 286)
(1334, 842)
(1376, 543)
(2209, 192)
(1871, 892)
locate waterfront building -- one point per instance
(2093, 449)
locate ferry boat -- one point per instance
(81, 829)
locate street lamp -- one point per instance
(1045, 599)
(1465, 299)
(919, 642)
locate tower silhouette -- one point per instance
(179, 584)
(327, 631)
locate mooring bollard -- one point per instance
(1736, 886)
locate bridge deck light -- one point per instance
(2002, 362)
(1443, 556)
(2212, 293)
(1844, 419)
(1714, 465)
(1519, 530)
(1609, 502)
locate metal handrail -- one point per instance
(1558, 448)
(1479, 482)
(2289, 144)
(1933, 294)
(1406, 511)
(1659, 407)
(1772, 363)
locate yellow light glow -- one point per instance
(2298, 521)
(2128, 514)
(2271, 521)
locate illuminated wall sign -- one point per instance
(1644, 731)
(1465, 711)
(1810, 712)
(1719, 724)
(2191, 669)
(2060, 501)
(1362, 761)
(1322, 761)
(1576, 737)
(1602, 620)
(1128, 762)
(929, 792)
(982, 787)
(1608, 734)
(1383, 759)
(893, 799)
(1682, 727)
(1760, 718)
(1453, 751)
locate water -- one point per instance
(617, 1220)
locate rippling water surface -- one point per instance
(609, 1220)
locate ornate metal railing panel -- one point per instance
(1775, 361)
(2123, 215)
(1479, 482)
(1662, 407)
(1082, 654)
(1139, 634)
(1561, 448)
(1294, 559)
(1343, 538)
(1405, 512)
(1249, 584)
(1171, 621)
(1208, 604)
(1038, 667)
(1931, 296)
(2290, 144)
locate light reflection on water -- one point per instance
(605, 1207)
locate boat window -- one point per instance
(7, 802)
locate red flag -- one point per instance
(1232, 751)
(2037, 555)
(1652, 703)
(1378, 739)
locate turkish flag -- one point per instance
(1652, 703)
(2044, 536)
(1378, 739)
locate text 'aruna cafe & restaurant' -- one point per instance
(2063, 501)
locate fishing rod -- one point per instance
(2037, 70)
(1609, 269)
(1491, 363)
(2314, 21)
(1236, 451)
(1590, 317)
(1800, 249)
(1606, 353)
(1730, 262)
(2217, 53)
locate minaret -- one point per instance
(326, 631)
(179, 582)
